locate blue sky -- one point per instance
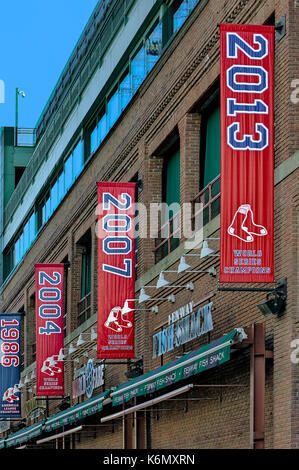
(37, 38)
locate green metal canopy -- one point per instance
(77, 412)
(2, 443)
(24, 434)
(204, 358)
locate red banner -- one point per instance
(247, 153)
(49, 283)
(116, 269)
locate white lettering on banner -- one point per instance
(184, 325)
(216, 358)
(255, 80)
(50, 311)
(110, 223)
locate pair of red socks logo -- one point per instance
(50, 366)
(243, 225)
(10, 396)
(116, 320)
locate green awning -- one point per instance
(24, 434)
(204, 358)
(2, 444)
(77, 412)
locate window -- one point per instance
(19, 170)
(54, 196)
(84, 306)
(102, 128)
(99, 129)
(125, 91)
(138, 69)
(182, 11)
(26, 237)
(180, 15)
(68, 173)
(113, 109)
(17, 251)
(168, 237)
(153, 46)
(171, 180)
(32, 228)
(86, 272)
(94, 139)
(9, 261)
(24, 240)
(47, 208)
(61, 191)
(78, 159)
(209, 141)
(22, 245)
(210, 144)
(128, 83)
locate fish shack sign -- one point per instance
(184, 325)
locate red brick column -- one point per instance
(151, 171)
(189, 128)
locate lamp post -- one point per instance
(18, 92)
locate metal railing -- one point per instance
(168, 237)
(84, 309)
(209, 200)
(25, 137)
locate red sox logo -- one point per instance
(10, 396)
(50, 366)
(116, 320)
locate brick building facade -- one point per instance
(250, 400)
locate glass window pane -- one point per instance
(88, 272)
(54, 196)
(83, 275)
(44, 214)
(17, 251)
(192, 4)
(153, 47)
(78, 159)
(21, 245)
(138, 69)
(102, 128)
(32, 228)
(68, 173)
(212, 147)
(113, 109)
(125, 92)
(172, 183)
(94, 140)
(180, 15)
(61, 191)
(48, 208)
(26, 236)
